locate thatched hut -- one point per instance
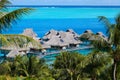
(30, 33)
(70, 39)
(98, 36)
(61, 39)
(71, 31)
(49, 34)
(86, 35)
(102, 35)
(56, 42)
(45, 45)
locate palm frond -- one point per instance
(3, 4)
(19, 41)
(106, 22)
(118, 19)
(98, 61)
(3, 40)
(6, 19)
(101, 44)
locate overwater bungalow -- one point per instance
(70, 39)
(102, 35)
(56, 42)
(61, 39)
(72, 32)
(98, 36)
(26, 48)
(45, 45)
(29, 32)
(86, 35)
(50, 34)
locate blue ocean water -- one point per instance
(42, 19)
(50, 58)
(41, 26)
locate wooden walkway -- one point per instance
(41, 55)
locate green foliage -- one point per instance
(6, 17)
(19, 41)
(98, 62)
(30, 67)
(98, 65)
(3, 4)
(69, 65)
(113, 32)
(101, 44)
(6, 20)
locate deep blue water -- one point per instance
(80, 18)
(41, 26)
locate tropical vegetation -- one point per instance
(67, 66)
(18, 41)
(113, 47)
(102, 63)
(6, 19)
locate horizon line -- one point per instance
(68, 6)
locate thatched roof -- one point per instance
(86, 35)
(49, 34)
(69, 38)
(61, 38)
(44, 45)
(29, 32)
(72, 32)
(13, 53)
(102, 35)
(98, 36)
(88, 31)
(56, 41)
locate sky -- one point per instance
(66, 2)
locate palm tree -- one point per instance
(3, 3)
(113, 44)
(98, 62)
(6, 17)
(69, 65)
(18, 41)
(30, 67)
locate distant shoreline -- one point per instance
(65, 6)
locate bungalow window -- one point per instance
(73, 33)
(47, 33)
(61, 40)
(57, 34)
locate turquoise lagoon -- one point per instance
(42, 19)
(50, 58)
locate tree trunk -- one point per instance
(114, 70)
